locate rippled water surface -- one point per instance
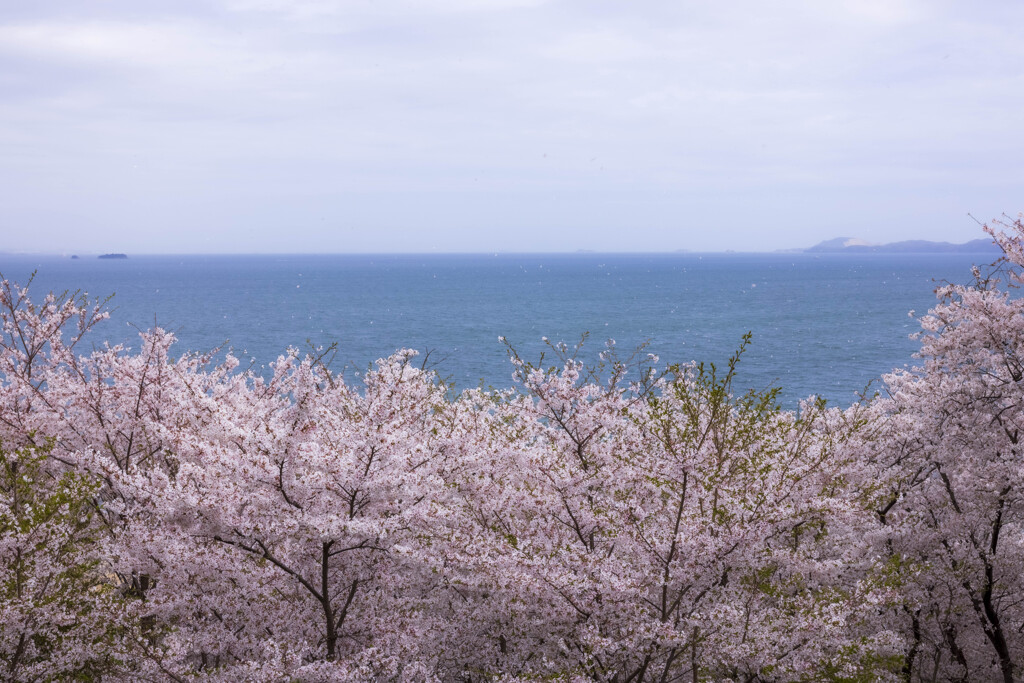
(825, 324)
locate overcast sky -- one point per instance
(251, 126)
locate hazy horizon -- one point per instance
(797, 250)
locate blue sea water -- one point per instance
(822, 324)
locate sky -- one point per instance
(308, 126)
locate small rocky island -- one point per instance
(112, 256)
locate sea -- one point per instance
(822, 324)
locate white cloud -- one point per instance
(599, 47)
(361, 12)
(121, 43)
(883, 12)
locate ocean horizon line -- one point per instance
(680, 252)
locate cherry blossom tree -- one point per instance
(59, 617)
(955, 517)
(662, 531)
(261, 522)
(257, 524)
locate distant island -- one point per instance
(112, 256)
(852, 245)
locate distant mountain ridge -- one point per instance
(850, 245)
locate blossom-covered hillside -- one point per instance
(168, 516)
